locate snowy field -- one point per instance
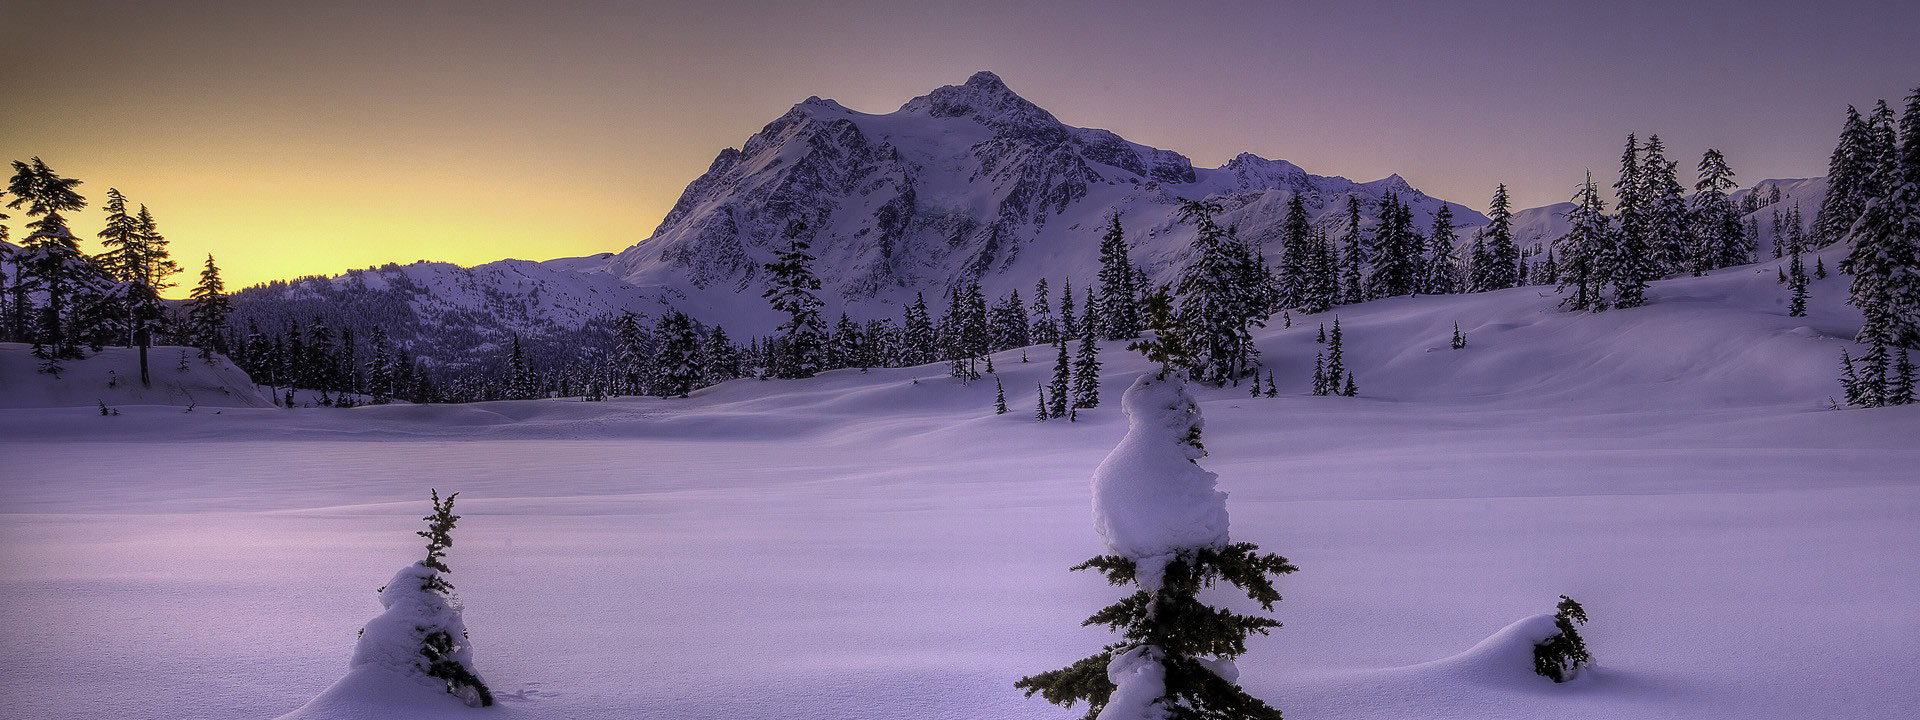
(862, 546)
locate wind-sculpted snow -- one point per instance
(1150, 498)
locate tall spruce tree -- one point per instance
(1797, 284)
(1353, 258)
(1586, 250)
(1119, 299)
(1217, 309)
(208, 308)
(50, 262)
(1396, 251)
(1069, 324)
(1503, 256)
(792, 294)
(919, 344)
(1717, 233)
(1664, 213)
(1057, 392)
(1442, 266)
(1044, 329)
(1885, 257)
(1086, 372)
(1297, 254)
(679, 359)
(1849, 180)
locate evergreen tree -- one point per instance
(999, 397)
(1320, 384)
(1459, 341)
(848, 347)
(1885, 151)
(1395, 253)
(50, 262)
(1664, 213)
(1353, 260)
(1086, 372)
(1040, 403)
(1850, 380)
(422, 630)
(1873, 376)
(1319, 285)
(1045, 329)
(679, 360)
(1503, 255)
(208, 309)
(918, 342)
(1062, 381)
(1819, 268)
(1272, 390)
(1849, 180)
(1119, 299)
(1478, 263)
(1069, 325)
(720, 360)
(1562, 654)
(1298, 256)
(1717, 233)
(1216, 311)
(1350, 390)
(792, 294)
(1797, 283)
(1010, 323)
(380, 385)
(1633, 263)
(1336, 357)
(1442, 266)
(1885, 257)
(1174, 657)
(1585, 251)
(1900, 388)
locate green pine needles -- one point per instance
(1562, 655)
(439, 535)
(1185, 635)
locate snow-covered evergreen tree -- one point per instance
(999, 397)
(1849, 180)
(1718, 238)
(1586, 250)
(1395, 253)
(919, 344)
(421, 634)
(792, 294)
(1353, 259)
(1217, 309)
(679, 359)
(1044, 329)
(1086, 372)
(49, 262)
(1442, 266)
(1664, 213)
(1166, 529)
(1885, 257)
(1119, 299)
(1562, 654)
(1503, 256)
(1797, 285)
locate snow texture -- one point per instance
(864, 547)
(1151, 498)
(1139, 680)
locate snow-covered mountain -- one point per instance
(968, 182)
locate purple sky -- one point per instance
(360, 132)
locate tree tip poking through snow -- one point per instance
(1151, 498)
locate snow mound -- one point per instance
(1139, 680)
(112, 376)
(1504, 658)
(1150, 497)
(386, 677)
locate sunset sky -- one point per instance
(302, 138)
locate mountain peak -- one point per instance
(988, 100)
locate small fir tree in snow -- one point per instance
(1849, 379)
(1336, 357)
(1272, 390)
(999, 397)
(1040, 403)
(1459, 340)
(1561, 655)
(1586, 250)
(679, 359)
(1351, 390)
(421, 633)
(1320, 374)
(1119, 299)
(1165, 526)
(1819, 268)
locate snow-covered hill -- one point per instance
(178, 376)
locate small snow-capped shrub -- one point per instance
(422, 633)
(1561, 655)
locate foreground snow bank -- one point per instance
(388, 676)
